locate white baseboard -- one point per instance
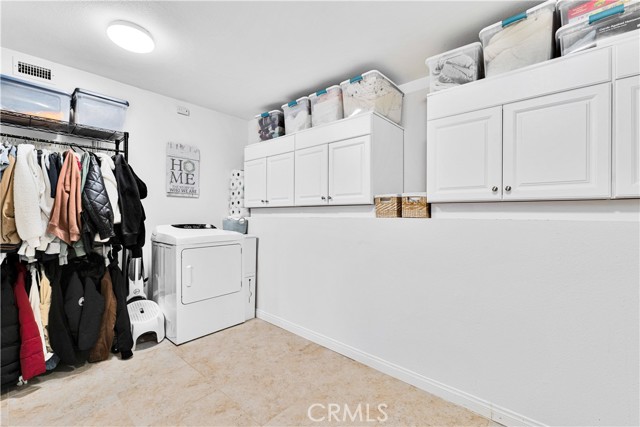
(482, 407)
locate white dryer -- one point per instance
(197, 279)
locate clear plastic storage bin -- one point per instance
(572, 11)
(29, 98)
(100, 111)
(521, 40)
(456, 67)
(372, 92)
(297, 115)
(611, 22)
(270, 125)
(326, 105)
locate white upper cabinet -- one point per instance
(564, 129)
(350, 172)
(346, 162)
(627, 137)
(255, 184)
(268, 173)
(280, 177)
(312, 182)
(558, 146)
(464, 157)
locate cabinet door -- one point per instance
(350, 172)
(627, 138)
(255, 184)
(464, 157)
(280, 180)
(559, 146)
(312, 182)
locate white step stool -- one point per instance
(145, 317)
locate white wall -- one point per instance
(152, 121)
(534, 321)
(523, 321)
(414, 121)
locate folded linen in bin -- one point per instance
(519, 45)
(454, 71)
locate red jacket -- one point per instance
(31, 352)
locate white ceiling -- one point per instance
(243, 58)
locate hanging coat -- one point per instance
(123, 341)
(52, 171)
(95, 201)
(67, 207)
(102, 347)
(9, 233)
(27, 187)
(60, 336)
(91, 319)
(107, 167)
(45, 305)
(10, 338)
(34, 301)
(131, 190)
(46, 201)
(31, 354)
(73, 302)
(90, 272)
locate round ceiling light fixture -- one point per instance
(130, 36)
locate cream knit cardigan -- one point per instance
(27, 188)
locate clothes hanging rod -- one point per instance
(52, 142)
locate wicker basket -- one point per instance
(415, 206)
(388, 206)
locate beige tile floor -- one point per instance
(252, 374)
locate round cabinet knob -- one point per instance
(330, 198)
(507, 188)
(323, 198)
(494, 188)
(266, 201)
(261, 201)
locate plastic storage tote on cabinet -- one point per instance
(29, 98)
(297, 115)
(572, 11)
(456, 67)
(270, 125)
(100, 111)
(608, 23)
(521, 40)
(372, 91)
(326, 105)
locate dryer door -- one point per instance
(210, 272)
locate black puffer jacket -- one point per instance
(10, 355)
(97, 214)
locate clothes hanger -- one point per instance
(73, 146)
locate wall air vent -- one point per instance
(33, 70)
